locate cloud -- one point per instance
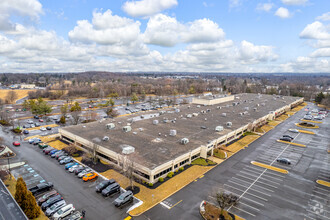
(294, 2)
(253, 53)
(235, 3)
(24, 8)
(282, 12)
(306, 65)
(264, 7)
(145, 8)
(324, 17)
(322, 52)
(166, 31)
(316, 30)
(106, 29)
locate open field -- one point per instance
(21, 93)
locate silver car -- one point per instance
(54, 208)
(82, 173)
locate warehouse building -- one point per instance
(162, 141)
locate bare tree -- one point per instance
(11, 96)
(127, 168)
(226, 200)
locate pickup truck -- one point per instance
(40, 188)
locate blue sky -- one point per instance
(165, 35)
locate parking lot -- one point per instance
(264, 193)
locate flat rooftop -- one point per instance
(153, 144)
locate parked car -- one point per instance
(51, 201)
(43, 129)
(124, 198)
(73, 168)
(29, 121)
(288, 136)
(32, 140)
(40, 188)
(62, 154)
(66, 160)
(36, 141)
(308, 117)
(79, 170)
(62, 157)
(75, 216)
(43, 198)
(64, 211)
(90, 176)
(286, 139)
(294, 130)
(41, 120)
(36, 117)
(319, 117)
(32, 126)
(37, 124)
(57, 153)
(84, 172)
(43, 145)
(55, 207)
(26, 132)
(53, 152)
(48, 150)
(284, 161)
(69, 165)
(111, 189)
(16, 143)
(49, 128)
(104, 184)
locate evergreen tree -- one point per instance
(319, 97)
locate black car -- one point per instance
(41, 187)
(102, 185)
(26, 132)
(288, 136)
(36, 117)
(49, 128)
(124, 198)
(286, 139)
(113, 188)
(284, 161)
(51, 201)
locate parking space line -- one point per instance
(242, 203)
(251, 188)
(251, 200)
(320, 193)
(259, 197)
(244, 211)
(255, 185)
(275, 174)
(314, 213)
(262, 177)
(322, 189)
(309, 217)
(258, 181)
(176, 204)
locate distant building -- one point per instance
(28, 86)
(14, 86)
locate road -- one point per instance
(264, 194)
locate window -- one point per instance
(107, 157)
(183, 162)
(162, 173)
(142, 174)
(195, 156)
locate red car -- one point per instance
(16, 143)
(41, 120)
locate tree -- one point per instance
(75, 112)
(319, 97)
(134, 97)
(112, 113)
(226, 200)
(326, 101)
(26, 200)
(127, 168)
(62, 119)
(64, 109)
(11, 96)
(39, 107)
(192, 90)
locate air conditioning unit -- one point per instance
(128, 150)
(177, 110)
(224, 114)
(208, 110)
(127, 128)
(229, 124)
(110, 126)
(155, 122)
(105, 138)
(218, 128)
(246, 108)
(198, 106)
(194, 114)
(188, 115)
(184, 141)
(172, 132)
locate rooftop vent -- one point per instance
(203, 111)
(188, 115)
(229, 124)
(128, 149)
(127, 128)
(198, 106)
(155, 122)
(184, 141)
(141, 129)
(110, 126)
(105, 138)
(194, 114)
(177, 110)
(134, 132)
(218, 128)
(172, 132)
(246, 108)
(218, 107)
(224, 114)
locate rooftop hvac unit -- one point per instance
(105, 138)
(184, 141)
(224, 114)
(208, 110)
(246, 108)
(110, 126)
(172, 132)
(241, 114)
(258, 105)
(127, 128)
(263, 104)
(255, 109)
(134, 132)
(128, 150)
(218, 128)
(165, 120)
(141, 129)
(229, 124)
(188, 115)
(195, 114)
(155, 122)
(203, 111)
(198, 106)
(244, 113)
(177, 110)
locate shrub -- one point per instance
(161, 179)
(170, 174)
(4, 122)
(144, 182)
(150, 184)
(62, 120)
(17, 130)
(181, 168)
(75, 155)
(70, 150)
(177, 171)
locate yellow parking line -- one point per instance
(292, 143)
(324, 183)
(176, 204)
(306, 132)
(128, 218)
(319, 122)
(269, 167)
(201, 176)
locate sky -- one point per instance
(238, 36)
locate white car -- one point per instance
(43, 129)
(293, 130)
(71, 169)
(64, 211)
(30, 121)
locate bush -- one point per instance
(4, 122)
(181, 168)
(219, 154)
(62, 120)
(70, 150)
(177, 171)
(75, 155)
(144, 182)
(161, 179)
(170, 174)
(150, 184)
(17, 130)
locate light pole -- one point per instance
(8, 157)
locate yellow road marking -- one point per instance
(292, 143)
(324, 183)
(307, 127)
(269, 167)
(176, 204)
(128, 218)
(306, 132)
(201, 176)
(319, 122)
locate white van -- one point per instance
(64, 211)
